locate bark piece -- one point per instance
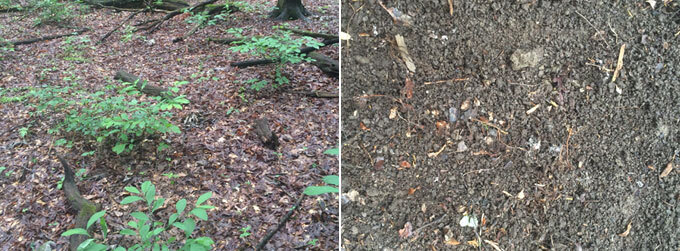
(268, 138)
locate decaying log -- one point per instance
(84, 208)
(147, 88)
(45, 38)
(325, 64)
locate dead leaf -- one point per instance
(667, 171)
(473, 243)
(363, 127)
(520, 195)
(625, 233)
(441, 126)
(405, 164)
(379, 162)
(404, 53)
(452, 242)
(406, 231)
(650, 167)
(411, 191)
(408, 89)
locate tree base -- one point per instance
(290, 10)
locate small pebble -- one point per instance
(462, 147)
(453, 114)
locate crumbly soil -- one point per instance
(573, 173)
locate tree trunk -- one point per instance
(290, 10)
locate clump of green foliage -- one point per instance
(120, 119)
(329, 180)
(150, 234)
(52, 12)
(74, 48)
(281, 48)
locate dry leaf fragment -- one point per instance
(473, 243)
(667, 171)
(379, 162)
(465, 105)
(345, 36)
(363, 127)
(619, 63)
(404, 53)
(408, 89)
(652, 3)
(451, 7)
(406, 231)
(411, 191)
(405, 164)
(625, 233)
(452, 242)
(520, 195)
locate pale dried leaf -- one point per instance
(406, 231)
(625, 233)
(345, 36)
(667, 170)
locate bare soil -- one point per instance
(554, 154)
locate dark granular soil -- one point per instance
(546, 152)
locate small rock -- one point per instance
(462, 147)
(453, 114)
(524, 58)
(362, 60)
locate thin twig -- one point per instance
(118, 27)
(283, 221)
(429, 224)
(447, 80)
(597, 31)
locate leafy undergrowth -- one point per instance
(215, 151)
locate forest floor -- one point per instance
(508, 132)
(253, 187)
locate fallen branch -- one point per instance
(326, 64)
(305, 50)
(318, 94)
(283, 221)
(143, 87)
(34, 40)
(311, 34)
(118, 27)
(156, 25)
(226, 40)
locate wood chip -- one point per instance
(403, 50)
(619, 63)
(667, 171)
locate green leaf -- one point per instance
(145, 186)
(105, 228)
(180, 205)
(132, 190)
(332, 179)
(157, 204)
(60, 142)
(119, 249)
(203, 198)
(130, 199)
(75, 231)
(128, 232)
(150, 195)
(87, 153)
(172, 219)
(95, 217)
(317, 190)
(140, 216)
(200, 213)
(119, 148)
(332, 151)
